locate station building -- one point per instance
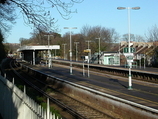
(34, 54)
(142, 53)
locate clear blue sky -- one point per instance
(103, 13)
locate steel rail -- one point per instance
(71, 111)
(104, 94)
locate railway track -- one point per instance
(79, 109)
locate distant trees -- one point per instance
(126, 37)
(152, 34)
(107, 37)
(139, 38)
(135, 38)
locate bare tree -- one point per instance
(107, 37)
(7, 13)
(139, 38)
(126, 37)
(85, 30)
(152, 34)
(35, 12)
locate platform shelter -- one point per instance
(32, 54)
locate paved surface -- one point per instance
(143, 92)
(138, 68)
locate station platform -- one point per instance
(142, 92)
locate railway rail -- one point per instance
(52, 82)
(77, 108)
(153, 103)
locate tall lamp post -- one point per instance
(98, 50)
(64, 50)
(76, 50)
(88, 41)
(128, 8)
(49, 54)
(70, 48)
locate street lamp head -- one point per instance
(70, 27)
(66, 27)
(73, 27)
(135, 8)
(121, 8)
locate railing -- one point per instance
(15, 104)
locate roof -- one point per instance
(42, 47)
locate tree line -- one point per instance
(88, 36)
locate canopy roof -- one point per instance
(41, 47)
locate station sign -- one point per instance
(129, 57)
(132, 50)
(87, 50)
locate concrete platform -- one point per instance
(143, 93)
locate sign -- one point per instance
(87, 50)
(128, 54)
(129, 57)
(129, 61)
(132, 50)
(70, 54)
(86, 57)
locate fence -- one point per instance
(15, 104)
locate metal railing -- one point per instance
(15, 104)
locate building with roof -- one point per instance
(142, 54)
(33, 54)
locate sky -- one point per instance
(103, 13)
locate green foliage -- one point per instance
(39, 99)
(52, 109)
(21, 87)
(49, 90)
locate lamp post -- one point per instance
(98, 50)
(49, 54)
(76, 50)
(128, 8)
(70, 48)
(89, 56)
(64, 51)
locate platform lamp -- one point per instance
(76, 50)
(64, 50)
(98, 50)
(49, 54)
(128, 8)
(70, 48)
